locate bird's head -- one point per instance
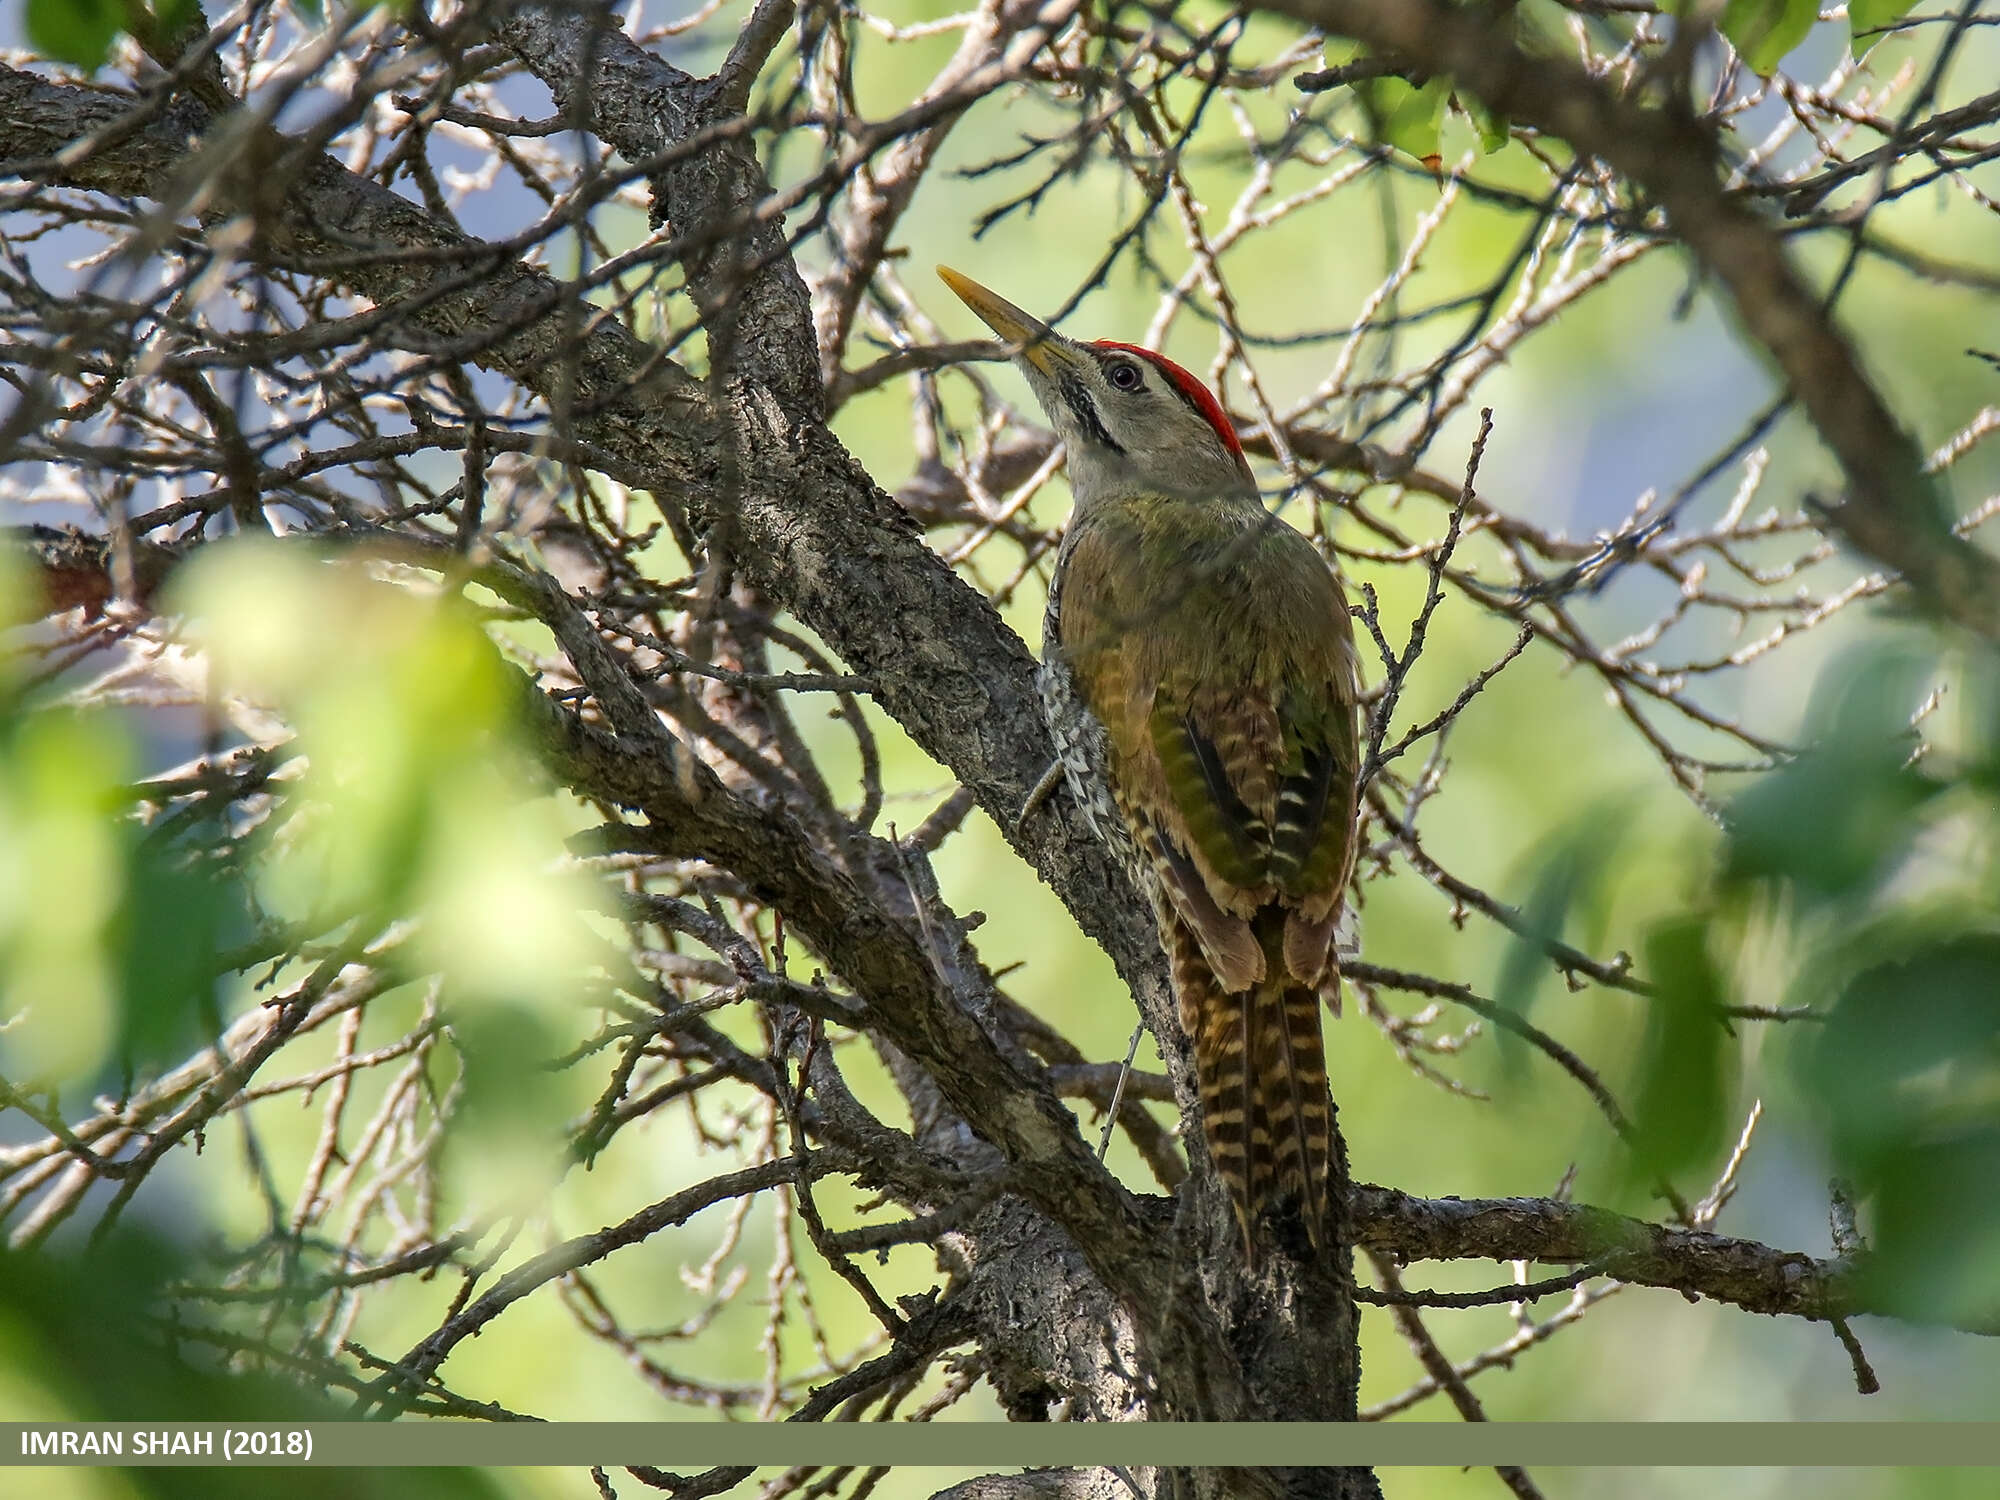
(1135, 423)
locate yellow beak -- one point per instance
(1037, 343)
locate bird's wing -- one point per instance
(1274, 727)
(1262, 786)
(1107, 630)
(1234, 745)
(1312, 837)
(1220, 747)
(1268, 717)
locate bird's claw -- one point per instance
(1051, 778)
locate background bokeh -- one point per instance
(1631, 389)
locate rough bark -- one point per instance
(811, 530)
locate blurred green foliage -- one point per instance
(422, 811)
(1906, 1079)
(83, 31)
(90, 1335)
(1868, 16)
(1864, 873)
(1687, 1082)
(1567, 889)
(64, 859)
(1406, 115)
(1877, 848)
(405, 814)
(109, 936)
(75, 31)
(1764, 31)
(408, 796)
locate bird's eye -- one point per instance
(1124, 377)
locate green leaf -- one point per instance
(1493, 127)
(1873, 16)
(1905, 1077)
(1685, 1063)
(1763, 31)
(84, 1333)
(165, 945)
(1568, 883)
(63, 858)
(1407, 116)
(174, 15)
(75, 31)
(1840, 818)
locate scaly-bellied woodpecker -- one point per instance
(1200, 679)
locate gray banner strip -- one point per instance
(999, 1445)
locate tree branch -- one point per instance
(1892, 511)
(815, 533)
(1744, 1273)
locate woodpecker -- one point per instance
(1200, 679)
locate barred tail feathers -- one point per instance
(1261, 1067)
